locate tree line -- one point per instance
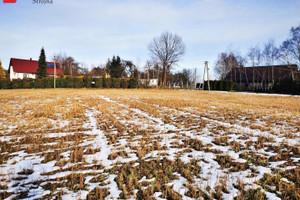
(166, 51)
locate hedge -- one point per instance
(287, 87)
(223, 85)
(86, 82)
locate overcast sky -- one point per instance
(95, 30)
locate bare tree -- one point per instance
(284, 52)
(254, 55)
(68, 64)
(290, 48)
(147, 69)
(221, 66)
(225, 64)
(130, 68)
(182, 78)
(270, 55)
(295, 44)
(83, 69)
(195, 78)
(167, 49)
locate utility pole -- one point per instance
(206, 70)
(203, 78)
(153, 73)
(54, 73)
(195, 78)
(71, 67)
(157, 75)
(148, 74)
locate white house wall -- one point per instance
(16, 75)
(150, 82)
(153, 82)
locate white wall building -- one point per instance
(150, 82)
(20, 68)
(19, 75)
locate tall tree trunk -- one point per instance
(253, 79)
(240, 79)
(273, 75)
(292, 73)
(164, 78)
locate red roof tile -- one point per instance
(30, 66)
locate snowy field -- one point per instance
(148, 144)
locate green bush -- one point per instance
(87, 82)
(222, 85)
(229, 85)
(287, 87)
(112, 83)
(45, 83)
(213, 85)
(104, 83)
(3, 84)
(98, 82)
(123, 83)
(27, 83)
(115, 83)
(108, 82)
(133, 83)
(16, 84)
(60, 83)
(68, 83)
(78, 83)
(48, 82)
(218, 85)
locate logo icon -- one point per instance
(9, 1)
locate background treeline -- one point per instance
(86, 82)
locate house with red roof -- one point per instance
(21, 68)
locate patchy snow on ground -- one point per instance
(128, 148)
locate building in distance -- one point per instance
(22, 68)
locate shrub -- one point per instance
(27, 83)
(104, 82)
(5, 84)
(15, 83)
(223, 85)
(87, 82)
(123, 83)
(59, 83)
(78, 83)
(115, 83)
(133, 83)
(287, 87)
(98, 83)
(68, 82)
